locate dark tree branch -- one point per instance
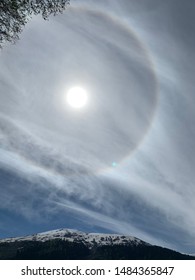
(14, 14)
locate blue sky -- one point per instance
(136, 61)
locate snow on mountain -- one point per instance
(89, 239)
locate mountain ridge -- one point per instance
(72, 244)
(73, 235)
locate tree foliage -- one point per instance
(14, 14)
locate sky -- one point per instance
(125, 162)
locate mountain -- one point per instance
(70, 244)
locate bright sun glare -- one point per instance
(76, 97)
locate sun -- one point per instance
(76, 97)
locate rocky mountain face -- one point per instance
(75, 245)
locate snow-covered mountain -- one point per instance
(68, 244)
(89, 239)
